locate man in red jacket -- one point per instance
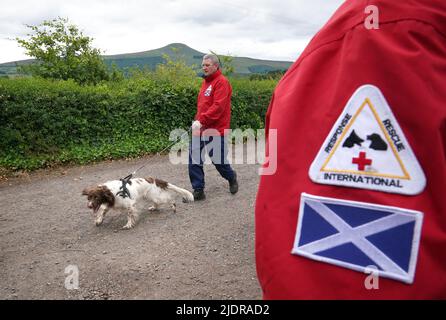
(357, 206)
(210, 127)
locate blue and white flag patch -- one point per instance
(359, 236)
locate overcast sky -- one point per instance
(264, 29)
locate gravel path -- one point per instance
(204, 251)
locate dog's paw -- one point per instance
(153, 208)
(98, 223)
(127, 227)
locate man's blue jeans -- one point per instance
(217, 149)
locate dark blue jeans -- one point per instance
(216, 147)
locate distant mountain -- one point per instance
(10, 68)
(151, 58)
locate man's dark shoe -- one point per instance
(199, 195)
(233, 184)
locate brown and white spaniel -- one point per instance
(110, 195)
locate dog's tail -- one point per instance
(187, 196)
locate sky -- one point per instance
(262, 29)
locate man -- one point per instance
(356, 208)
(208, 130)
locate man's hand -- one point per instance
(196, 125)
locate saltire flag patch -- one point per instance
(359, 236)
(366, 148)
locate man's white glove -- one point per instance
(196, 125)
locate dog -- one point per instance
(111, 195)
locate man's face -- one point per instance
(208, 67)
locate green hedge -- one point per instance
(43, 122)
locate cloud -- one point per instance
(15, 17)
(264, 29)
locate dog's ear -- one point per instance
(87, 191)
(107, 196)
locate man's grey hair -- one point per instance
(213, 58)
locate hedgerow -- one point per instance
(47, 122)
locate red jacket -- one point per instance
(214, 103)
(405, 59)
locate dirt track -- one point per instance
(204, 251)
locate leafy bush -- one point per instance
(62, 52)
(47, 122)
(250, 101)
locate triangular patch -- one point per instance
(366, 148)
(208, 91)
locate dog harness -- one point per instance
(124, 191)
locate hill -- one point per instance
(242, 65)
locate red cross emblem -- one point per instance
(362, 161)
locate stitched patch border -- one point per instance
(367, 149)
(357, 235)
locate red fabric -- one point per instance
(406, 60)
(214, 109)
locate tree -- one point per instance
(115, 74)
(226, 63)
(175, 70)
(63, 52)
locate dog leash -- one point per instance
(124, 191)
